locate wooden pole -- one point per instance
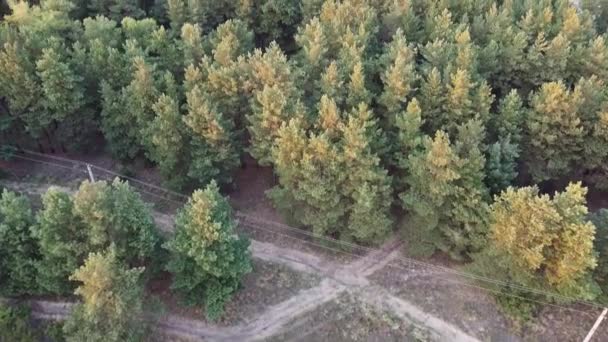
(90, 173)
(595, 326)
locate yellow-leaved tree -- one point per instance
(542, 242)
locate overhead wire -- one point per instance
(278, 225)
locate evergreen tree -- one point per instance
(409, 134)
(208, 259)
(116, 9)
(272, 111)
(192, 44)
(357, 91)
(20, 89)
(445, 193)
(168, 136)
(112, 305)
(62, 239)
(399, 76)
(430, 183)
(432, 99)
(63, 97)
(600, 246)
(214, 152)
(367, 183)
(542, 242)
(19, 250)
(117, 124)
(501, 168)
(554, 131)
(115, 214)
(177, 12)
(141, 94)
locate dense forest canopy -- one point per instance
(368, 111)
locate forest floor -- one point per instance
(303, 289)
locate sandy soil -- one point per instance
(421, 296)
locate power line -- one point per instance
(443, 278)
(329, 239)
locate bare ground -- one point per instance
(450, 311)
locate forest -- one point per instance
(473, 128)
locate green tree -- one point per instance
(445, 193)
(554, 131)
(19, 250)
(409, 137)
(112, 305)
(600, 245)
(117, 124)
(600, 11)
(63, 97)
(501, 168)
(432, 173)
(367, 183)
(115, 214)
(214, 145)
(271, 112)
(168, 136)
(399, 76)
(63, 242)
(116, 9)
(15, 325)
(207, 258)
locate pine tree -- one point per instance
(313, 56)
(214, 152)
(329, 120)
(19, 87)
(367, 183)
(310, 177)
(116, 9)
(544, 242)
(112, 301)
(403, 15)
(554, 131)
(432, 99)
(409, 134)
(177, 12)
(208, 259)
(459, 101)
(192, 44)
(272, 110)
(117, 124)
(509, 121)
(399, 76)
(430, 184)
(63, 97)
(357, 91)
(229, 41)
(19, 250)
(168, 136)
(141, 94)
(501, 167)
(600, 221)
(62, 239)
(115, 214)
(467, 231)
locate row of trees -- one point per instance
(101, 243)
(360, 106)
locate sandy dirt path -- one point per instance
(337, 278)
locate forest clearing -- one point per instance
(304, 170)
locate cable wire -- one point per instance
(317, 236)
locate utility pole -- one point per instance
(596, 325)
(91, 177)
